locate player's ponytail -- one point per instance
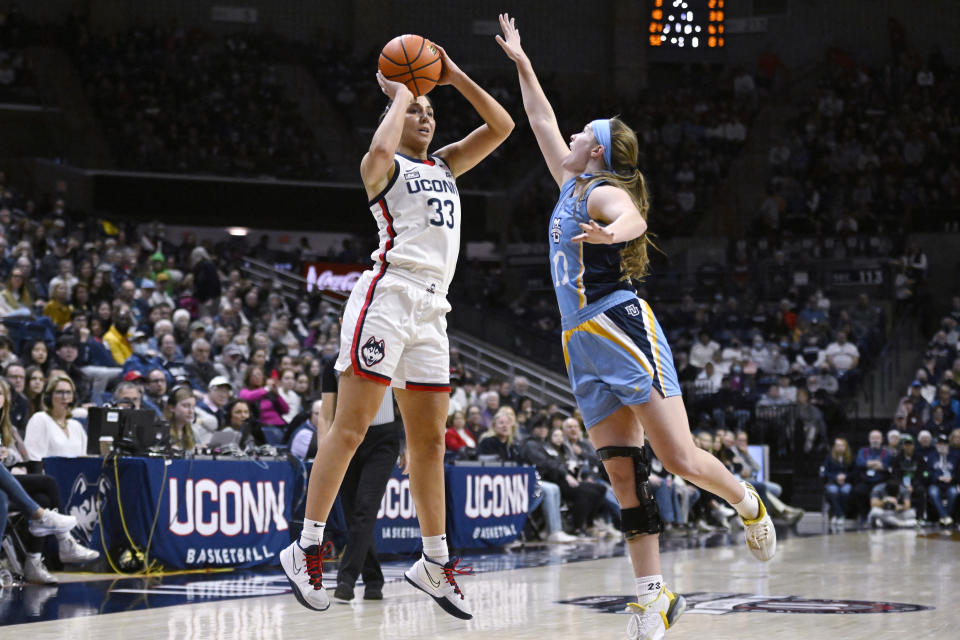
(623, 173)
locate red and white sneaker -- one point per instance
(444, 588)
(304, 569)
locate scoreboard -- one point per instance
(687, 24)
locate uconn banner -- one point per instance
(487, 506)
(203, 513)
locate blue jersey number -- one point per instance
(437, 219)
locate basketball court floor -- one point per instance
(872, 584)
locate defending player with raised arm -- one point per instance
(618, 360)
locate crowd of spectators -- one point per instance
(912, 477)
(181, 100)
(873, 150)
(92, 315)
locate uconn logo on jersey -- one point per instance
(416, 184)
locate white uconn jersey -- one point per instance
(418, 214)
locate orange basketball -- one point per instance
(412, 60)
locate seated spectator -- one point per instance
(15, 298)
(943, 466)
(127, 395)
(65, 358)
(474, 423)
(143, 359)
(180, 412)
(458, 438)
(303, 442)
(116, 338)
(211, 407)
(925, 444)
(242, 417)
(28, 491)
(937, 424)
(673, 498)
(584, 499)
(288, 380)
(890, 506)
(263, 392)
(200, 369)
(836, 471)
(154, 390)
(949, 404)
(871, 469)
(7, 356)
(909, 469)
(36, 381)
(703, 351)
(499, 440)
(20, 409)
(893, 441)
(51, 431)
(36, 353)
(58, 307)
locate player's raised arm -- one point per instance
(465, 154)
(378, 161)
(535, 103)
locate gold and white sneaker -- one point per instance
(759, 532)
(650, 622)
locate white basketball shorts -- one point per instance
(395, 332)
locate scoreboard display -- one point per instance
(687, 24)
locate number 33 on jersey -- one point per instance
(418, 214)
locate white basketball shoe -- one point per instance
(443, 588)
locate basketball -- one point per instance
(412, 60)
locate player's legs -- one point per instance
(621, 429)
(665, 421)
(357, 402)
(619, 440)
(424, 418)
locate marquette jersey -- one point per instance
(418, 214)
(583, 274)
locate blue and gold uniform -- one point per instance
(613, 346)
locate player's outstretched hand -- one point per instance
(593, 233)
(510, 42)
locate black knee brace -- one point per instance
(645, 519)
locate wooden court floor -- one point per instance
(870, 585)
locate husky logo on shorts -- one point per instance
(632, 310)
(373, 351)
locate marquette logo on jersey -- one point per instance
(555, 231)
(632, 310)
(725, 603)
(416, 185)
(373, 351)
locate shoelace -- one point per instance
(315, 565)
(450, 569)
(645, 619)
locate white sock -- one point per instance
(749, 507)
(648, 589)
(312, 532)
(435, 548)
